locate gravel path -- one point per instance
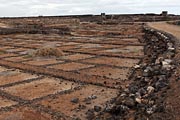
(172, 29)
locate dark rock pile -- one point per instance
(144, 98)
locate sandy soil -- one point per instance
(172, 29)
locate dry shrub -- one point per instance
(48, 52)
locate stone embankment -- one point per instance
(145, 96)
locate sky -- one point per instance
(13, 8)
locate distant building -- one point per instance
(103, 15)
(164, 13)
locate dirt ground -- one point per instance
(106, 71)
(96, 63)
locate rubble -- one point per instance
(142, 94)
(150, 89)
(75, 100)
(97, 108)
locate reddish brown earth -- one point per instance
(97, 63)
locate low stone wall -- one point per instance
(175, 23)
(41, 30)
(145, 96)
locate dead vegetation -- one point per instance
(48, 52)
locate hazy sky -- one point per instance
(68, 7)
